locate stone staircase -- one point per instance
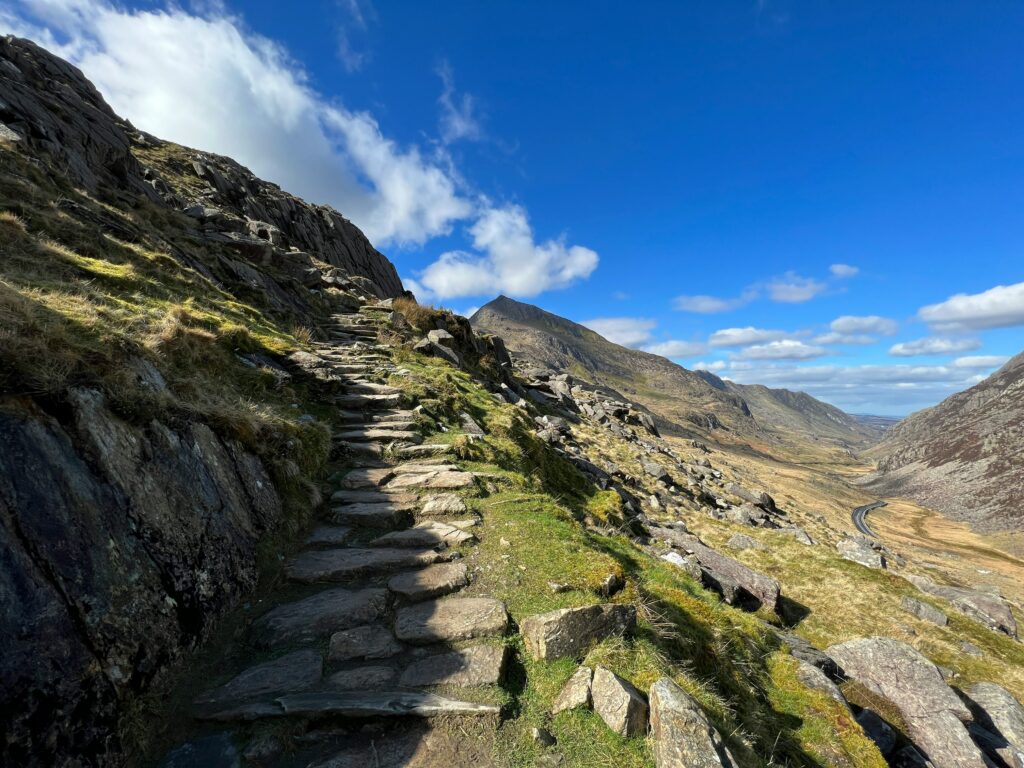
(370, 643)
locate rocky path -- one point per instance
(369, 656)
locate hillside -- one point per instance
(963, 456)
(690, 399)
(258, 507)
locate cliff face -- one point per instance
(153, 432)
(963, 456)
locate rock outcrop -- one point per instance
(570, 631)
(681, 734)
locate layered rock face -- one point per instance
(963, 456)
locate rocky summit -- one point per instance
(260, 507)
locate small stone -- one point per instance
(542, 737)
(558, 587)
(622, 707)
(576, 692)
(504, 542)
(742, 541)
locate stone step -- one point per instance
(366, 677)
(476, 666)
(454, 618)
(375, 450)
(366, 642)
(442, 480)
(348, 563)
(297, 671)
(328, 536)
(424, 451)
(398, 500)
(357, 400)
(429, 533)
(380, 434)
(373, 477)
(380, 516)
(443, 504)
(354, 704)
(361, 386)
(430, 582)
(320, 615)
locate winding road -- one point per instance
(860, 515)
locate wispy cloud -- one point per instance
(791, 288)
(787, 288)
(676, 348)
(741, 337)
(882, 326)
(980, 361)
(998, 307)
(351, 51)
(785, 349)
(843, 271)
(627, 331)
(459, 120)
(710, 305)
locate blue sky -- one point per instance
(786, 193)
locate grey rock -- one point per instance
(438, 479)
(363, 678)
(924, 611)
(860, 551)
(990, 609)
(742, 541)
(469, 425)
(216, 751)
(318, 616)
(296, 671)
(441, 337)
(543, 737)
(622, 707)
(444, 504)
(369, 641)
(349, 563)
(655, 470)
(382, 516)
(570, 631)
(933, 713)
(575, 693)
(997, 711)
(455, 618)
(681, 734)
(879, 731)
(816, 679)
(430, 582)
(328, 536)
(799, 534)
(429, 533)
(476, 666)
(355, 704)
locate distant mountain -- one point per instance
(882, 423)
(689, 399)
(964, 456)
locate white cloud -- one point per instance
(785, 349)
(980, 361)
(858, 339)
(709, 305)
(510, 260)
(676, 348)
(714, 365)
(997, 307)
(884, 389)
(791, 288)
(933, 345)
(864, 324)
(741, 337)
(458, 118)
(843, 270)
(627, 331)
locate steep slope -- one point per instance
(693, 399)
(963, 456)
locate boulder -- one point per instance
(742, 541)
(860, 551)
(814, 678)
(622, 707)
(990, 609)
(924, 611)
(681, 734)
(998, 712)
(932, 712)
(655, 470)
(441, 337)
(575, 693)
(570, 631)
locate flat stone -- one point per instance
(363, 678)
(997, 711)
(435, 479)
(400, 500)
(357, 400)
(815, 679)
(457, 618)
(319, 615)
(355, 704)
(622, 707)
(432, 581)
(479, 665)
(444, 504)
(367, 478)
(370, 641)
(575, 693)
(860, 551)
(924, 611)
(384, 516)
(933, 713)
(420, 468)
(570, 631)
(329, 536)
(383, 435)
(348, 563)
(422, 451)
(296, 671)
(429, 533)
(681, 734)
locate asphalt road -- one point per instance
(860, 515)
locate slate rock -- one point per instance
(456, 618)
(924, 611)
(292, 672)
(429, 533)
(681, 734)
(475, 666)
(996, 710)
(990, 609)
(319, 615)
(360, 678)
(742, 541)
(351, 562)
(860, 551)
(444, 504)
(622, 707)
(814, 678)
(432, 581)
(369, 641)
(576, 691)
(570, 631)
